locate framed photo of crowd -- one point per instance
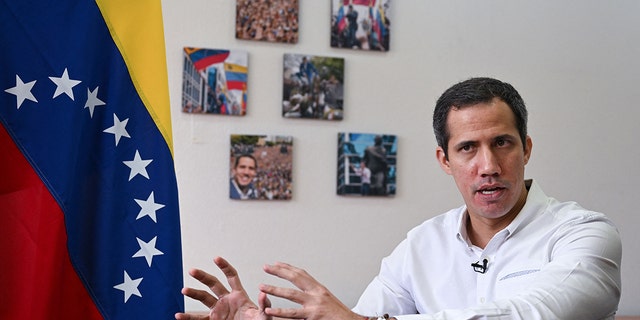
(312, 87)
(360, 24)
(272, 21)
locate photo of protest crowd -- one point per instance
(360, 24)
(261, 167)
(312, 87)
(267, 20)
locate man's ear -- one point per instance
(442, 160)
(527, 150)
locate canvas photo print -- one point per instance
(360, 24)
(267, 20)
(260, 167)
(214, 81)
(313, 87)
(367, 164)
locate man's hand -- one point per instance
(224, 305)
(316, 300)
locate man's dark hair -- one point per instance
(377, 140)
(245, 155)
(474, 91)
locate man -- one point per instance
(241, 184)
(510, 252)
(221, 101)
(352, 27)
(308, 72)
(375, 157)
(365, 177)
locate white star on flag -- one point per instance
(147, 250)
(138, 166)
(129, 286)
(148, 207)
(118, 129)
(22, 91)
(93, 101)
(65, 85)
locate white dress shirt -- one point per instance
(556, 260)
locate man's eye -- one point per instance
(502, 142)
(465, 148)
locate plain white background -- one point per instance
(574, 62)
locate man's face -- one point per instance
(245, 171)
(486, 158)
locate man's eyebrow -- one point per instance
(464, 143)
(505, 136)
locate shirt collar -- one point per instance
(536, 199)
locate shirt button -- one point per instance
(482, 300)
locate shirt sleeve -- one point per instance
(582, 281)
(387, 292)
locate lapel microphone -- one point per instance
(480, 268)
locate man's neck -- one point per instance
(481, 230)
(241, 189)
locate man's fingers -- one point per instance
(263, 301)
(288, 313)
(229, 272)
(210, 281)
(203, 296)
(293, 295)
(297, 276)
(188, 316)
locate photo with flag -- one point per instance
(360, 24)
(88, 194)
(215, 81)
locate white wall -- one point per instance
(574, 62)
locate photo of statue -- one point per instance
(367, 164)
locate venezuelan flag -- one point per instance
(236, 76)
(88, 193)
(341, 19)
(378, 22)
(202, 58)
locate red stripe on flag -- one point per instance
(212, 59)
(358, 2)
(33, 251)
(236, 85)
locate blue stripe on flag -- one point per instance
(236, 76)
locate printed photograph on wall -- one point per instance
(214, 81)
(260, 167)
(360, 24)
(272, 21)
(312, 87)
(367, 164)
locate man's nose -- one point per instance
(488, 163)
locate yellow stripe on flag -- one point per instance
(235, 68)
(137, 29)
(190, 50)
